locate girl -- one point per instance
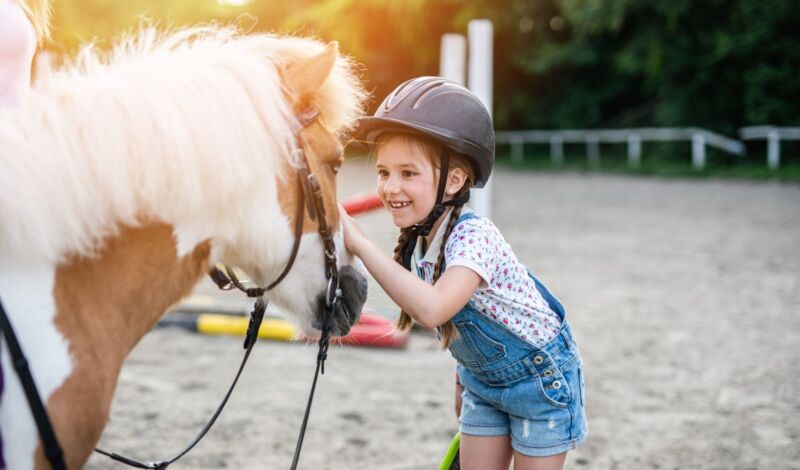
(22, 24)
(517, 360)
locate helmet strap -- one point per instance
(438, 207)
(423, 229)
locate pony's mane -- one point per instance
(162, 127)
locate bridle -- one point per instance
(310, 199)
(309, 193)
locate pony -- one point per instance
(126, 175)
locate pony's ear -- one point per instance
(306, 76)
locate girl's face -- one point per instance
(407, 181)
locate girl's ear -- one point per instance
(456, 178)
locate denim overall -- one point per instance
(515, 388)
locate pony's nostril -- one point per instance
(354, 286)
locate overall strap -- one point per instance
(552, 300)
(466, 216)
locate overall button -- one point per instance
(556, 384)
(538, 360)
(548, 373)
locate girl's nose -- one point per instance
(391, 186)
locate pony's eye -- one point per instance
(335, 166)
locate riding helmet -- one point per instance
(441, 110)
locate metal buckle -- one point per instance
(331, 255)
(334, 292)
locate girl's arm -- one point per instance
(429, 305)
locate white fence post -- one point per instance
(634, 150)
(634, 137)
(593, 151)
(517, 149)
(773, 150)
(480, 83)
(698, 151)
(557, 150)
(452, 57)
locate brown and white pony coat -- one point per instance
(124, 178)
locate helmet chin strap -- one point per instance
(423, 229)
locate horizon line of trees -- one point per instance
(717, 64)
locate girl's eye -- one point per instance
(383, 173)
(408, 173)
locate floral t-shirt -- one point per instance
(507, 294)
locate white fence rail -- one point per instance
(592, 138)
(773, 135)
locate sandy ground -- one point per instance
(684, 296)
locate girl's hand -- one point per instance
(429, 305)
(353, 235)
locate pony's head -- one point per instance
(323, 98)
(311, 197)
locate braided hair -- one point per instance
(404, 322)
(447, 331)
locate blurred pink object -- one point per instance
(17, 45)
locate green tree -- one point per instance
(720, 64)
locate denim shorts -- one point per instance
(535, 395)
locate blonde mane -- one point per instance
(164, 127)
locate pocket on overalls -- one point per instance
(473, 348)
(555, 384)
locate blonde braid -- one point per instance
(404, 322)
(447, 330)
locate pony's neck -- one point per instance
(116, 297)
(104, 305)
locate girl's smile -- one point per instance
(406, 181)
(398, 205)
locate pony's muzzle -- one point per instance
(353, 285)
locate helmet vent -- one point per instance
(398, 95)
(421, 98)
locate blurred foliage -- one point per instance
(719, 64)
